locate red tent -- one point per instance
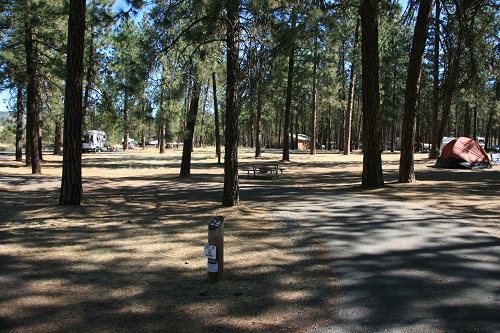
(463, 153)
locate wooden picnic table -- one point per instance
(259, 168)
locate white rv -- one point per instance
(94, 140)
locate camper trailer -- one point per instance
(94, 140)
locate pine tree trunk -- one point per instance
(474, 130)
(216, 115)
(90, 77)
(450, 87)
(490, 138)
(288, 104)
(412, 93)
(433, 154)
(40, 141)
(58, 137)
(19, 123)
(250, 121)
(467, 120)
(28, 146)
(125, 121)
(258, 134)
(143, 138)
(71, 185)
(314, 102)
(372, 159)
(296, 130)
(32, 103)
(161, 139)
(161, 117)
(289, 92)
(201, 143)
(350, 99)
(329, 128)
(231, 185)
(189, 132)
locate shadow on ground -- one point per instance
(131, 259)
(400, 268)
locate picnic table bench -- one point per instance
(258, 168)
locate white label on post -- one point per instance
(210, 251)
(213, 266)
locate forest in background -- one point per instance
(158, 70)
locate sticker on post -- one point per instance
(210, 251)
(213, 266)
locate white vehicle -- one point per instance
(94, 140)
(481, 141)
(131, 143)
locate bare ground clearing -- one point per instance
(131, 259)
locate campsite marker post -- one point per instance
(214, 250)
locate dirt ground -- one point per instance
(131, 258)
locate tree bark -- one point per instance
(372, 137)
(433, 154)
(231, 184)
(161, 139)
(314, 101)
(32, 103)
(187, 149)
(71, 185)
(412, 93)
(58, 148)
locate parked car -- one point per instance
(493, 149)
